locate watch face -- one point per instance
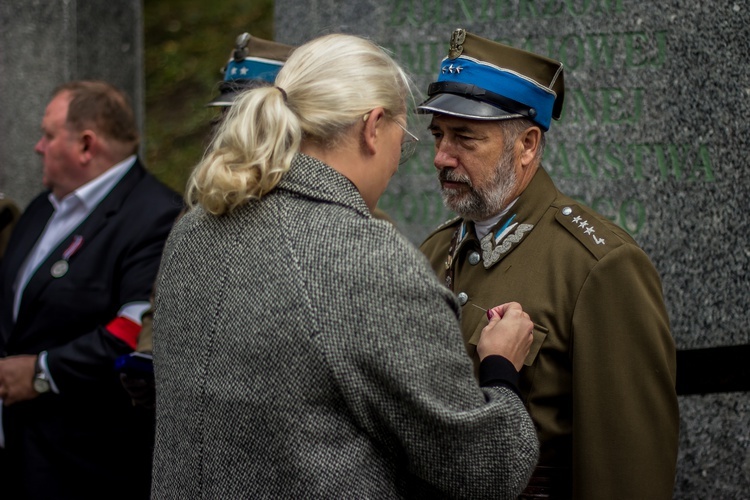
(41, 385)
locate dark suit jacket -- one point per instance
(88, 440)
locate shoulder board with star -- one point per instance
(593, 233)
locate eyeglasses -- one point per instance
(408, 144)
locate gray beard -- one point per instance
(484, 202)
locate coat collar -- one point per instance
(314, 179)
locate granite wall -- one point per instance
(654, 135)
(45, 43)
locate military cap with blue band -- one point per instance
(253, 68)
(485, 80)
(253, 62)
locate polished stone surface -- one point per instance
(44, 44)
(714, 456)
(654, 132)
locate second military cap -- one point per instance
(253, 62)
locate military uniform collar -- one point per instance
(515, 225)
(481, 228)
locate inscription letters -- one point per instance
(586, 108)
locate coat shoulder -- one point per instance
(152, 184)
(153, 197)
(439, 233)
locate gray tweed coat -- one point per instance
(305, 349)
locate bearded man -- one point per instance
(599, 381)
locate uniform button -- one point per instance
(567, 211)
(474, 258)
(463, 298)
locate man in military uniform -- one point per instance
(599, 381)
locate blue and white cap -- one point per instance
(255, 68)
(253, 63)
(485, 80)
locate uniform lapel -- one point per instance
(520, 220)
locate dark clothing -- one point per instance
(88, 441)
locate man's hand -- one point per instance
(509, 334)
(16, 378)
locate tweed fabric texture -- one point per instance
(304, 349)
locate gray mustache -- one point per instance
(449, 175)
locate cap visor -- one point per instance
(463, 107)
(224, 99)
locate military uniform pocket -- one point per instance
(540, 333)
(474, 338)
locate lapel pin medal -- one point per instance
(60, 268)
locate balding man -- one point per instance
(75, 279)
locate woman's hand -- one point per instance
(508, 334)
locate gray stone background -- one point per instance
(654, 135)
(44, 43)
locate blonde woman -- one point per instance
(304, 349)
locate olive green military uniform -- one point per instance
(599, 381)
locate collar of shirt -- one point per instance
(69, 213)
(483, 227)
(94, 191)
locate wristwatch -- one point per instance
(41, 382)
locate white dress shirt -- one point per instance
(482, 227)
(69, 213)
